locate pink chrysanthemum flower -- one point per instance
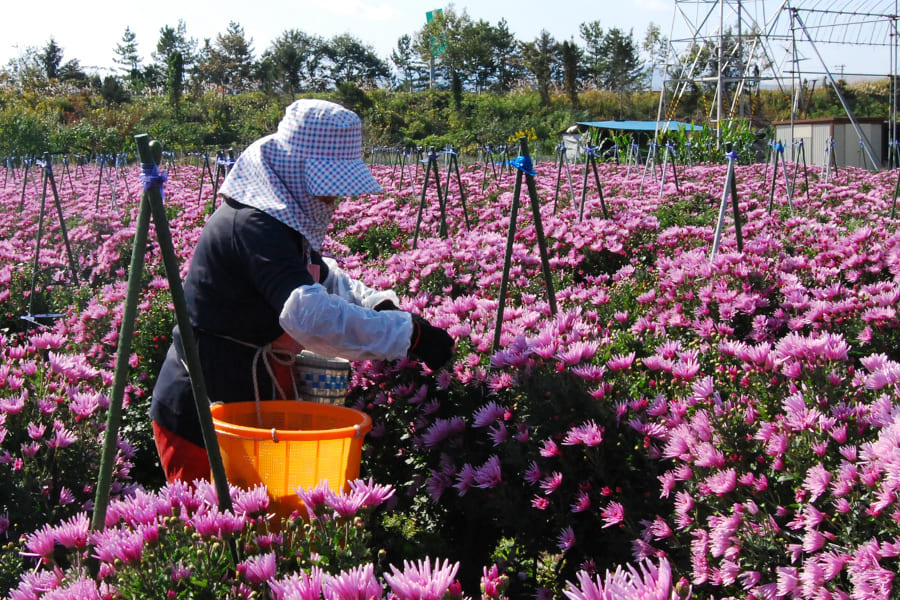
(489, 475)
(374, 493)
(582, 502)
(419, 581)
(566, 539)
(218, 524)
(551, 482)
(346, 504)
(299, 586)
(73, 533)
(465, 479)
(41, 542)
(258, 569)
(549, 449)
(620, 362)
(488, 414)
(359, 583)
(650, 582)
(254, 501)
(589, 434)
(613, 514)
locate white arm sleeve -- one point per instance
(352, 290)
(329, 325)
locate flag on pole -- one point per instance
(437, 46)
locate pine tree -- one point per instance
(128, 58)
(51, 58)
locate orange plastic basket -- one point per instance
(299, 445)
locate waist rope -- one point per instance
(265, 354)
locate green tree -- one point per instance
(570, 55)
(26, 70)
(71, 72)
(479, 43)
(507, 58)
(51, 59)
(24, 134)
(656, 46)
(175, 79)
(265, 76)
(593, 36)
(287, 56)
(540, 60)
(128, 58)
(299, 61)
(412, 71)
(623, 70)
(228, 62)
(172, 41)
(353, 97)
(469, 55)
(112, 91)
(439, 43)
(355, 62)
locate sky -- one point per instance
(90, 31)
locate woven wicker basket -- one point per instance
(320, 378)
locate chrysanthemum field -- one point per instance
(684, 425)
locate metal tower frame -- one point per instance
(756, 28)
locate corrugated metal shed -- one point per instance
(817, 135)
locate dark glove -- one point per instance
(432, 345)
(385, 305)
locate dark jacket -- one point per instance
(244, 267)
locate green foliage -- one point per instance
(22, 133)
(477, 526)
(699, 210)
(210, 120)
(49, 449)
(113, 92)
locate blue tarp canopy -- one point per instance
(642, 125)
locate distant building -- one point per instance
(817, 136)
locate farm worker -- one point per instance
(258, 289)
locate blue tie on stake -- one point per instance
(487, 152)
(591, 164)
(453, 167)
(523, 163)
(203, 171)
(152, 202)
(779, 155)
(670, 152)
(223, 167)
(562, 157)
(431, 165)
(46, 166)
(729, 189)
(524, 169)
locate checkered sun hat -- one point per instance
(327, 140)
(317, 151)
